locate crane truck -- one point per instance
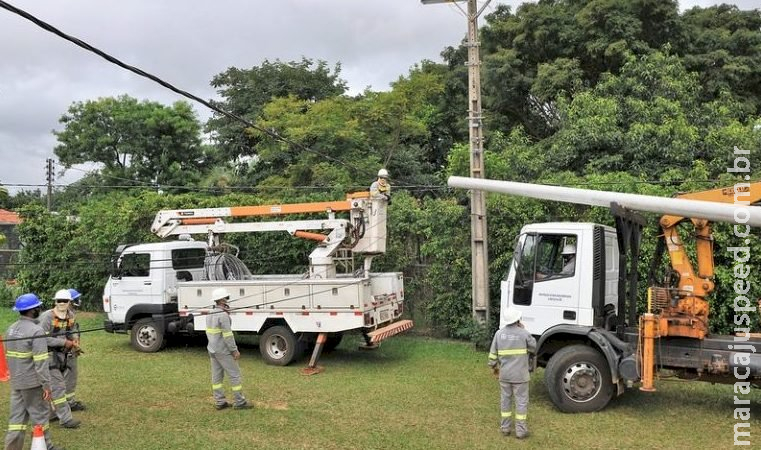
(162, 289)
(591, 340)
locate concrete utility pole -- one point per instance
(50, 175)
(479, 247)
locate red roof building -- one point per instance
(9, 217)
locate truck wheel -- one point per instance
(279, 346)
(578, 379)
(146, 336)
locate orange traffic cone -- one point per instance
(38, 439)
(5, 375)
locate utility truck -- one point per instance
(590, 338)
(162, 289)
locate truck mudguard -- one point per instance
(613, 351)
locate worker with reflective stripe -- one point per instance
(509, 357)
(27, 356)
(72, 373)
(223, 352)
(58, 325)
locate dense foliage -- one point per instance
(619, 95)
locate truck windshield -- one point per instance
(188, 258)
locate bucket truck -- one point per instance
(161, 289)
(590, 338)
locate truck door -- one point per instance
(545, 278)
(132, 284)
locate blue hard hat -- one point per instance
(75, 297)
(26, 302)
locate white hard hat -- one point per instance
(512, 315)
(383, 173)
(63, 294)
(569, 249)
(219, 294)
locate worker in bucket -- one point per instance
(381, 187)
(58, 324)
(26, 351)
(72, 373)
(223, 352)
(509, 358)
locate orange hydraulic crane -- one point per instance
(685, 308)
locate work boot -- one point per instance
(73, 423)
(505, 433)
(246, 405)
(522, 435)
(77, 406)
(221, 406)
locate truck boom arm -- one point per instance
(172, 222)
(363, 232)
(689, 315)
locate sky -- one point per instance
(187, 42)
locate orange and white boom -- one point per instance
(201, 220)
(363, 232)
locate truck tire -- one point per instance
(146, 337)
(578, 379)
(279, 346)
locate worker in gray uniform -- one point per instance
(223, 352)
(27, 354)
(58, 324)
(72, 373)
(381, 186)
(509, 358)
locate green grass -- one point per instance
(413, 393)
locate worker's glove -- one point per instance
(77, 351)
(236, 355)
(46, 395)
(68, 344)
(495, 371)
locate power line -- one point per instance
(358, 187)
(80, 43)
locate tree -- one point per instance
(723, 45)
(559, 48)
(246, 91)
(3, 196)
(138, 143)
(342, 142)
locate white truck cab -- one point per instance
(550, 288)
(144, 279)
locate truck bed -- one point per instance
(307, 305)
